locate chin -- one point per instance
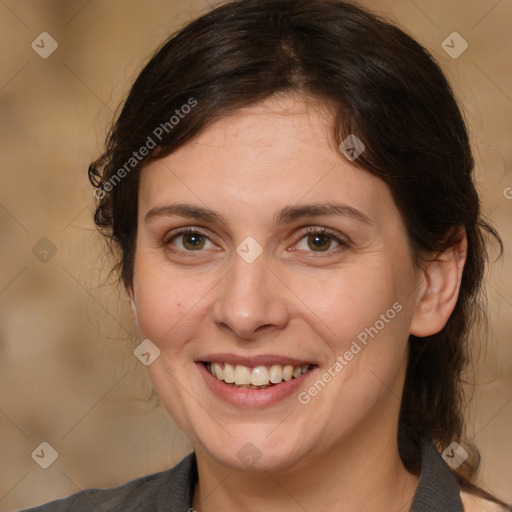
(256, 453)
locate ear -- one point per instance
(438, 295)
(130, 291)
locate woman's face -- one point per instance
(260, 246)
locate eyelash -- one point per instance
(343, 242)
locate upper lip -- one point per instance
(251, 361)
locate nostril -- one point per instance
(264, 327)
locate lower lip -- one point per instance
(252, 397)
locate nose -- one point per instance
(251, 300)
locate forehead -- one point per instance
(276, 153)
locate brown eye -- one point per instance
(193, 241)
(189, 241)
(319, 242)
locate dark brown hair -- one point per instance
(385, 88)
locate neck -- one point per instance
(362, 473)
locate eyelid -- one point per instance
(342, 239)
(169, 237)
(184, 229)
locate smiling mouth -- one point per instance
(257, 377)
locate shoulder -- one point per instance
(474, 503)
(146, 494)
(124, 497)
(439, 488)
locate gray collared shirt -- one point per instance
(172, 491)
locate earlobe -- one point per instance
(442, 277)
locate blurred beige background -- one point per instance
(67, 371)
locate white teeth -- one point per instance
(218, 371)
(258, 376)
(242, 375)
(276, 373)
(288, 372)
(229, 373)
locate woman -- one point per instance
(289, 186)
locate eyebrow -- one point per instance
(287, 214)
(291, 213)
(183, 210)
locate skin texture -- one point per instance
(338, 452)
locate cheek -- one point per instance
(344, 303)
(166, 301)
(365, 324)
